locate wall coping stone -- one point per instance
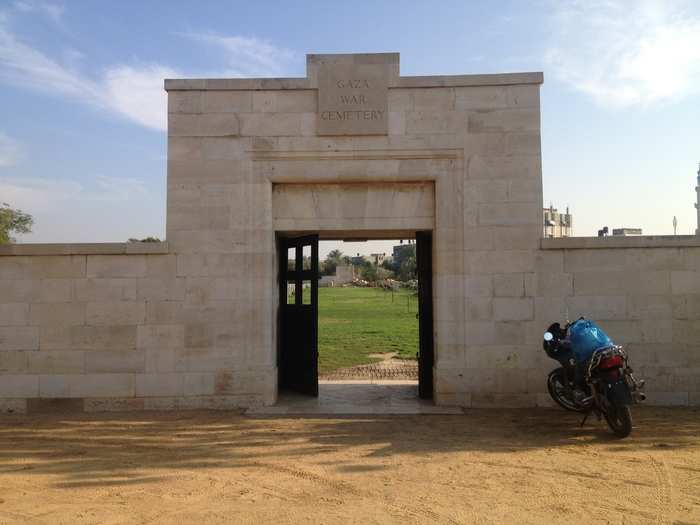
(104, 248)
(252, 84)
(652, 241)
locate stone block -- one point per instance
(184, 148)
(685, 282)
(155, 289)
(549, 284)
(198, 383)
(550, 309)
(620, 282)
(509, 214)
(491, 165)
(116, 313)
(549, 261)
(86, 385)
(495, 400)
(595, 260)
(99, 338)
(203, 125)
(151, 385)
(480, 97)
(160, 336)
(667, 398)
(14, 361)
(56, 362)
(509, 285)
(117, 266)
(439, 99)
(105, 289)
(13, 406)
(115, 361)
(609, 307)
(55, 406)
(185, 102)
(656, 258)
(503, 121)
(19, 385)
(270, 124)
(112, 404)
(69, 314)
(651, 307)
(164, 312)
(225, 148)
(501, 261)
(15, 268)
(160, 360)
(217, 172)
(513, 309)
(19, 338)
(58, 266)
(14, 314)
(478, 286)
(17, 290)
(54, 290)
(226, 101)
(479, 309)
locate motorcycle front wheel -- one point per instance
(619, 419)
(560, 392)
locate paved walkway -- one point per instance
(357, 397)
(390, 368)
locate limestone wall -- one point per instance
(117, 331)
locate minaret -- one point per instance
(697, 204)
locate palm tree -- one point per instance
(335, 255)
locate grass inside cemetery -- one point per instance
(356, 322)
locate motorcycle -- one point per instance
(594, 377)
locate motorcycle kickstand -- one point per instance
(585, 417)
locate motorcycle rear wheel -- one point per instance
(556, 384)
(619, 419)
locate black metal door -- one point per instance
(298, 325)
(426, 353)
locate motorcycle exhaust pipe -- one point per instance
(640, 396)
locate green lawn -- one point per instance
(355, 322)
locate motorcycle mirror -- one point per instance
(548, 336)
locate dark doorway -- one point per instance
(426, 352)
(298, 314)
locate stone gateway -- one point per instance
(353, 150)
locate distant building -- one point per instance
(626, 232)
(399, 250)
(343, 274)
(377, 258)
(557, 224)
(359, 260)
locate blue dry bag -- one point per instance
(586, 337)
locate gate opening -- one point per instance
(352, 319)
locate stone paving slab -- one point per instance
(357, 397)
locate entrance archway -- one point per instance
(298, 311)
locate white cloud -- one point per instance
(132, 92)
(53, 11)
(248, 56)
(135, 93)
(10, 151)
(626, 53)
(138, 94)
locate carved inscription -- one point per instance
(352, 100)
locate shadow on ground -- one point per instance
(122, 449)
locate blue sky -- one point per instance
(82, 111)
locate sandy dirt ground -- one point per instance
(487, 466)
